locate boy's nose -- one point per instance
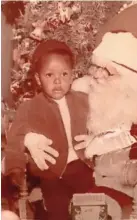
(57, 80)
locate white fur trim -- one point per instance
(117, 47)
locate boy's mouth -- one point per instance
(57, 90)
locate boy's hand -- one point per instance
(17, 177)
(40, 150)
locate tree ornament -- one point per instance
(26, 43)
(53, 22)
(88, 27)
(37, 33)
(65, 12)
(76, 8)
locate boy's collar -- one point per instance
(52, 101)
(59, 101)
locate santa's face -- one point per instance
(99, 76)
(111, 98)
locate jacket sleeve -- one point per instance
(14, 152)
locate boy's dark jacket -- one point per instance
(41, 115)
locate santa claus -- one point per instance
(113, 94)
(112, 118)
(112, 87)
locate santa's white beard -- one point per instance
(113, 103)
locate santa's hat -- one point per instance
(118, 43)
(120, 48)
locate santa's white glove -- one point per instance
(101, 145)
(95, 146)
(40, 149)
(92, 146)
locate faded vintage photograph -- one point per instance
(68, 110)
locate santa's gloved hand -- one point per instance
(16, 177)
(93, 146)
(103, 144)
(82, 139)
(40, 150)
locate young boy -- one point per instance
(59, 115)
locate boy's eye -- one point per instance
(48, 75)
(65, 74)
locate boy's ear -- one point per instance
(37, 79)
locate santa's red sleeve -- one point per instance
(133, 151)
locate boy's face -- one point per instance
(56, 76)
